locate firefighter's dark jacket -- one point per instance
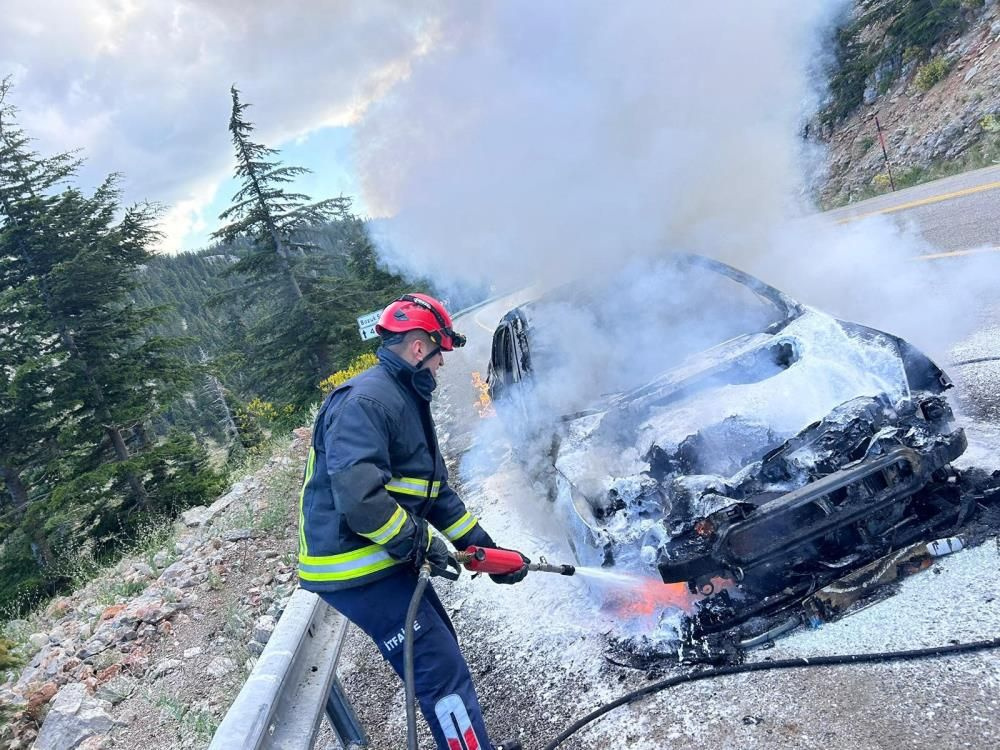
(374, 466)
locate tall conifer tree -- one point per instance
(30, 352)
(81, 374)
(286, 271)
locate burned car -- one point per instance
(713, 430)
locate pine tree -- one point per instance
(288, 273)
(30, 355)
(55, 243)
(81, 375)
(29, 420)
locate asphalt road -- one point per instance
(956, 213)
(959, 216)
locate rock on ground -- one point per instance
(74, 717)
(166, 662)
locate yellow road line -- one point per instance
(923, 201)
(957, 253)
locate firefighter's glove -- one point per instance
(435, 552)
(517, 576)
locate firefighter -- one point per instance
(375, 483)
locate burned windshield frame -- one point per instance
(788, 307)
(510, 360)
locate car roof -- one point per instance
(788, 306)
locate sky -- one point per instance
(506, 142)
(500, 143)
(142, 88)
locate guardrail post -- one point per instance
(343, 719)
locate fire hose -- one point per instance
(483, 560)
(763, 666)
(411, 692)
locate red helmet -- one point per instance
(412, 311)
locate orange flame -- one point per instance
(484, 404)
(649, 596)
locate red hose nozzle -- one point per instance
(489, 560)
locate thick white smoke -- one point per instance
(540, 141)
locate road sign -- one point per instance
(366, 325)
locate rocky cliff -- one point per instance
(939, 108)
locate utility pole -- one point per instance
(885, 154)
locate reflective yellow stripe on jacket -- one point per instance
(413, 486)
(372, 558)
(354, 564)
(461, 527)
(310, 468)
(387, 531)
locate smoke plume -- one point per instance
(540, 141)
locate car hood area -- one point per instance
(749, 457)
(710, 420)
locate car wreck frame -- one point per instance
(759, 562)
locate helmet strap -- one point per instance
(433, 353)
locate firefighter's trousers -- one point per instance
(441, 677)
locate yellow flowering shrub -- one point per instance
(357, 365)
(7, 658)
(881, 181)
(261, 409)
(256, 414)
(931, 73)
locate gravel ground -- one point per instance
(181, 708)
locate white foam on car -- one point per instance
(833, 367)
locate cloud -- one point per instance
(185, 217)
(143, 87)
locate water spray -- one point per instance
(610, 577)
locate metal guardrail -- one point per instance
(281, 705)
